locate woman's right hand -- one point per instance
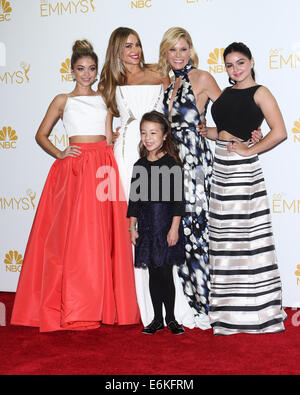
(133, 236)
(70, 151)
(115, 135)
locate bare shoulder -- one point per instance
(60, 100)
(155, 74)
(201, 75)
(263, 94)
(56, 107)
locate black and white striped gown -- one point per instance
(245, 282)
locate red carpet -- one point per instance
(125, 351)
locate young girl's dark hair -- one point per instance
(169, 143)
(242, 48)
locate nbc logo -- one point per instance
(5, 11)
(13, 261)
(297, 274)
(49, 8)
(215, 61)
(8, 137)
(65, 71)
(296, 131)
(141, 4)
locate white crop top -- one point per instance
(85, 116)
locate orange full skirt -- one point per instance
(78, 268)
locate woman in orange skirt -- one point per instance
(78, 270)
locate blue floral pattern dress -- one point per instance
(195, 153)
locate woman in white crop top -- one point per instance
(78, 270)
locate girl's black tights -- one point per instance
(162, 291)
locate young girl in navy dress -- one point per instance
(156, 205)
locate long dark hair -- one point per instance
(114, 73)
(169, 143)
(242, 48)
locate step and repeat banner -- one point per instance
(36, 37)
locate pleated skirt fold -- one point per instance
(246, 292)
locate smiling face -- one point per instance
(152, 136)
(85, 71)
(238, 67)
(179, 55)
(131, 54)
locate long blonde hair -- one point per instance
(114, 72)
(168, 41)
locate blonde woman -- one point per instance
(69, 278)
(185, 104)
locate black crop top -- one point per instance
(236, 112)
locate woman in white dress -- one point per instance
(131, 88)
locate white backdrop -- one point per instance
(36, 37)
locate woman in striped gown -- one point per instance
(245, 282)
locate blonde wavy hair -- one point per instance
(114, 72)
(170, 38)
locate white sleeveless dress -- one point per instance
(133, 102)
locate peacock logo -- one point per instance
(296, 131)
(215, 61)
(8, 137)
(6, 9)
(13, 261)
(65, 71)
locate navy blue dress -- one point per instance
(154, 200)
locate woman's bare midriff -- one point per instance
(223, 135)
(87, 139)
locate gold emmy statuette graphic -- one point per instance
(296, 131)
(6, 10)
(297, 274)
(216, 61)
(13, 261)
(66, 70)
(26, 68)
(8, 137)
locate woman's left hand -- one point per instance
(172, 237)
(239, 147)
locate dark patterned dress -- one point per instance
(195, 153)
